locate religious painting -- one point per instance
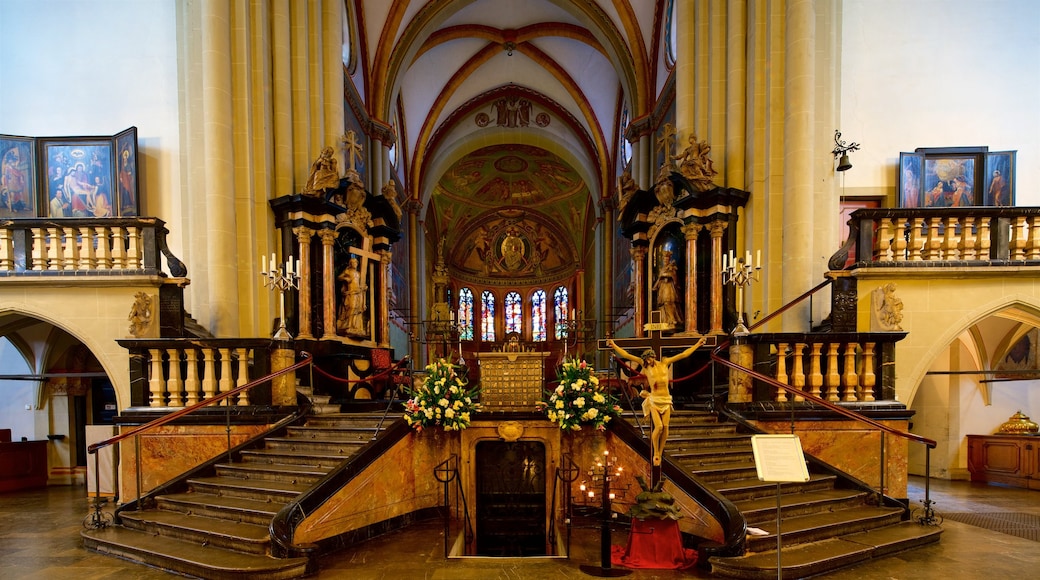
(910, 171)
(1020, 357)
(17, 177)
(86, 170)
(949, 181)
(126, 150)
(1000, 179)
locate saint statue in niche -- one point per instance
(351, 319)
(667, 292)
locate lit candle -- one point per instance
(758, 258)
(611, 496)
(263, 264)
(581, 487)
(297, 266)
(724, 256)
(592, 494)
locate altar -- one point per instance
(511, 381)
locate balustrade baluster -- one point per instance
(1019, 235)
(984, 238)
(243, 374)
(815, 374)
(1033, 249)
(191, 377)
(968, 241)
(209, 372)
(851, 377)
(156, 383)
(781, 371)
(70, 251)
(899, 253)
(934, 241)
(884, 241)
(867, 384)
(118, 249)
(833, 376)
(797, 371)
(53, 249)
(174, 385)
(226, 383)
(917, 240)
(39, 250)
(951, 239)
(133, 252)
(86, 248)
(104, 250)
(6, 250)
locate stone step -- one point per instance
(763, 509)
(822, 525)
(190, 558)
(752, 487)
(726, 471)
(205, 531)
(287, 457)
(805, 560)
(334, 433)
(706, 458)
(273, 472)
(274, 491)
(344, 448)
(229, 508)
(352, 419)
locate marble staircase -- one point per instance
(826, 523)
(218, 525)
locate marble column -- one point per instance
(716, 229)
(415, 283)
(328, 238)
(638, 254)
(692, 232)
(384, 302)
(303, 240)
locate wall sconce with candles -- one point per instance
(280, 279)
(841, 151)
(741, 273)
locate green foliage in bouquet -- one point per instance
(578, 399)
(442, 399)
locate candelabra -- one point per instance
(741, 273)
(280, 279)
(445, 330)
(602, 475)
(569, 328)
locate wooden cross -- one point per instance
(667, 142)
(364, 254)
(655, 340)
(352, 148)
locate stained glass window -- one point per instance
(487, 315)
(466, 314)
(514, 313)
(538, 315)
(624, 147)
(560, 309)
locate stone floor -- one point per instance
(39, 539)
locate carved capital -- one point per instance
(328, 237)
(303, 234)
(717, 228)
(692, 231)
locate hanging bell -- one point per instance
(844, 164)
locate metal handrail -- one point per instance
(450, 468)
(95, 447)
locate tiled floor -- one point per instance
(39, 539)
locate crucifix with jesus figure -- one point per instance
(657, 368)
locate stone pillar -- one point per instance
(384, 302)
(798, 198)
(328, 238)
(607, 226)
(740, 384)
(303, 240)
(414, 279)
(716, 229)
(283, 388)
(692, 232)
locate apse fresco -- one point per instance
(511, 244)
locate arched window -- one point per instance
(538, 315)
(624, 147)
(560, 309)
(670, 29)
(466, 314)
(349, 34)
(514, 313)
(487, 316)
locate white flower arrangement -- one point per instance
(442, 399)
(578, 399)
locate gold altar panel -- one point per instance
(171, 450)
(511, 381)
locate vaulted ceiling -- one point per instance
(508, 111)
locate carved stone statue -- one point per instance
(695, 164)
(667, 293)
(140, 316)
(324, 174)
(663, 189)
(390, 193)
(888, 308)
(351, 319)
(626, 189)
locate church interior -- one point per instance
(724, 281)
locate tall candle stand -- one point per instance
(570, 328)
(741, 273)
(281, 279)
(602, 475)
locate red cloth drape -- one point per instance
(654, 544)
